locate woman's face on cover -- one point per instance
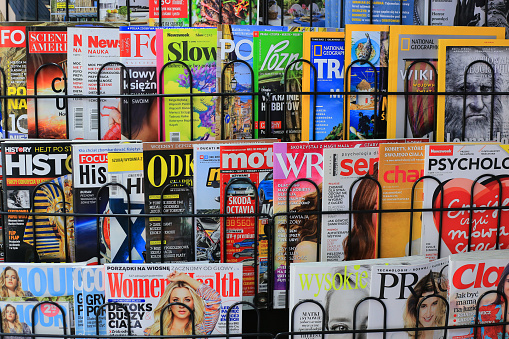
(10, 314)
(428, 310)
(11, 280)
(181, 295)
(341, 318)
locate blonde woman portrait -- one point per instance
(11, 323)
(432, 310)
(10, 284)
(204, 301)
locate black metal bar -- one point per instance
(60, 308)
(5, 117)
(108, 304)
(356, 307)
(308, 301)
(238, 303)
(161, 318)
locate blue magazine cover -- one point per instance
(93, 298)
(78, 301)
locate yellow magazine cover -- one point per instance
(474, 57)
(366, 43)
(412, 65)
(326, 52)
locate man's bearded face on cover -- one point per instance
(478, 103)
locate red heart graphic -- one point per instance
(455, 225)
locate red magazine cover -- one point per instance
(242, 165)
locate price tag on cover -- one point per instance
(49, 310)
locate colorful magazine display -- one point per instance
(454, 58)
(458, 167)
(126, 169)
(273, 52)
(414, 53)
(196, 48)
(326, 51)
(146, 290)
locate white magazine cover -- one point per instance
(414, 296)
(343, 168)
(146, 289)
(77, 82)
(457, 167)
(337, 286)
(471, 275)
(48, 318)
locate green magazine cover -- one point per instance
(273, 53)
(197, 49)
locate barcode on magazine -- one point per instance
(281, 300)
(78, 118)
(113, 188)
(174, 136)
(94, 118)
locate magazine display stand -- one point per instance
(269, 323)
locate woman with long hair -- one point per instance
(360, 242)
(204, 302)
(421, 311)
(11, 323)
(494, 312)
(10, 284)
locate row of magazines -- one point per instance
(262, 203)
(258, 68)
(203, 298)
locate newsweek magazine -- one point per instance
(90, 164)
(470, 276)
(126, 169)
(48, 318)
(242, 165)
(332, 284)
(208, 289)
(26, 165)
(457, 167)
(343, 168)
(414, 296)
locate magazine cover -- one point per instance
(116, 11)
(400, 166)
(366, 43)
(235, 44)
(17, 317)
(383, 12)
(294, 14)
(454, 58)
(77, 278)
(469, 278)
(27, 165)
(79, 10)
(411, 43)
(76, 83)
(47, 45)
(13, 58)
(326, 51)
(254, 164)
(332, 284)
(90, 163)
(197, 49)
(414, 296)
(138, 54)
(343, 170)
(167, 165)
(93, 298)
(273, 52)
(126, 169)
(208, 290)
(458, 167)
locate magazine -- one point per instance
(169, 167)
(414, 54)
(77, 82)
(366, 43)
(138, 53)
(246, 186)
(294, 14)
(235, 45)
(90, 163)
(458, 167)
(383, 12)
(79, 10)
(343, 172)
(454, 56)
(126, 169)
(208, 289)
(93, 298)
(77, 278)
(413, 295)
(326, 51)
(27, 165)
(197, 49)
(273, 52)
(470, 277)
